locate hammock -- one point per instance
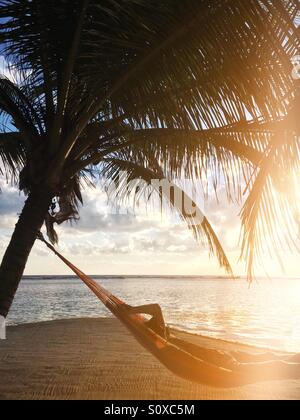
(181, 358)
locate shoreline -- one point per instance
(96, 358)
(188, 333)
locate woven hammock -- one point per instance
(184, 359)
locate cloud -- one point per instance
(224, 217)
(4, 68)
(101, 237)
(88, 248)
(96, 215)
(11, 203)
(157, 239)
(11, 72)
(98, 232)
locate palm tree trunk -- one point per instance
(14, 261)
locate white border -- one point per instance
(2, 328)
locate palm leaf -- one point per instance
(270, 216)
(13, 102)
(225, 152)
(201, 230)
(218, 73)
(12, 155)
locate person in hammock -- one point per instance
(207, 366)
(157, 321)
(235, 361)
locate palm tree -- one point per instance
(159, 88)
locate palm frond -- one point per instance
(193, 49)
(207, 64)
(195, 154)
(13, 102)
(66, 205)
(12, 155)
(270, 215)
(202, 230)
(64, 86)
(192, 87)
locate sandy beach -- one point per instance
(98, 359)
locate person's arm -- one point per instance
(153, 310)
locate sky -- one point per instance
(133, 244)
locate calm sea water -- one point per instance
(267, 314)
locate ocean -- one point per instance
(266, 314)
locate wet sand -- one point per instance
(98, 359)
